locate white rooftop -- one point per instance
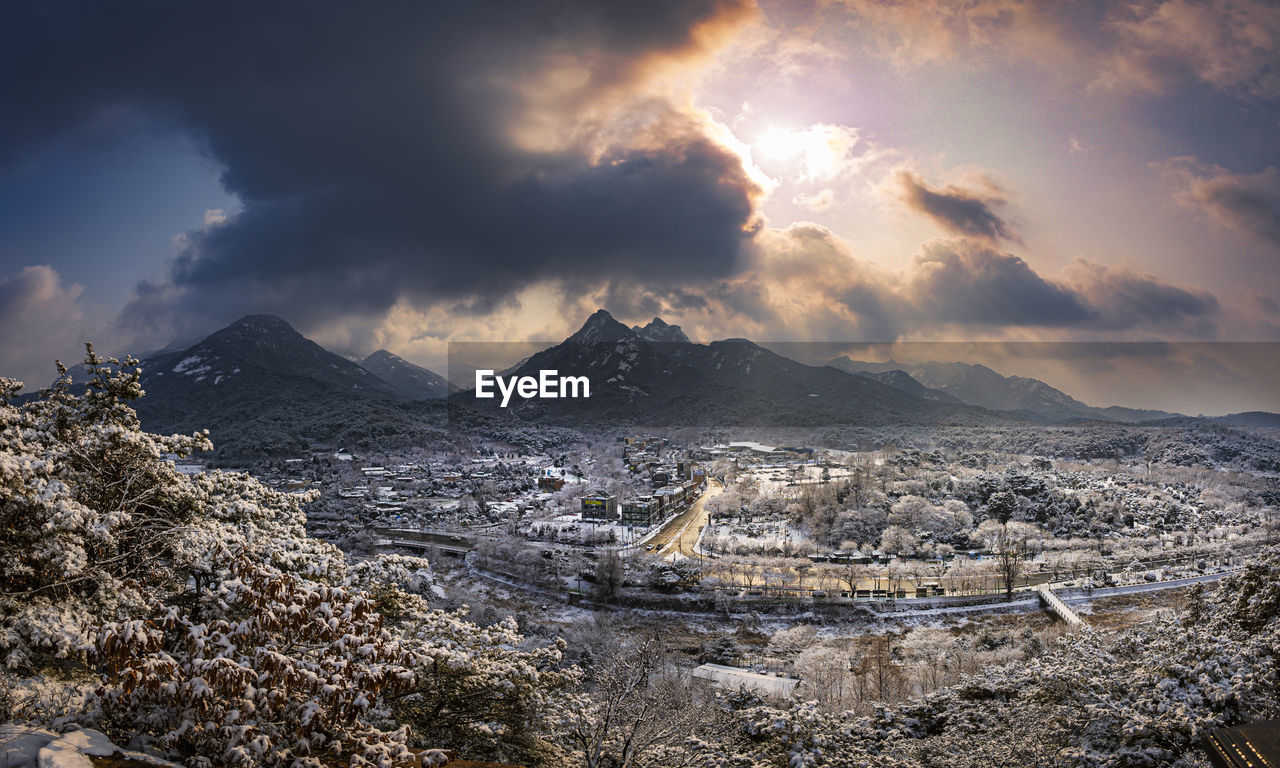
(751, 446)
(735, 677)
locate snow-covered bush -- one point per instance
(482, 690)
(273, 669)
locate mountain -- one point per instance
(257, 346)
(1250, 419)
(263, 389)
(979, 385)
(658, 331)
(732, 382)
(260, 387)
(628, 376)
(412, 382)
(901, 380)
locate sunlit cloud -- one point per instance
(1230, 45)
(43, 318)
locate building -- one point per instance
(841, 557)
(670, 499)
(641, 512)
(733, 678)
(550, 483)
(599, 505)
(757, 449)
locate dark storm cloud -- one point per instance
(959, 210)
(1242, 206)
(1120, 298)
(960, 281)
(372, 146)
(1255, 211)
(1245, 202)
(954, 282)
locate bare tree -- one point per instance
(609, 573)
(633, 708)
(851, 574)
(1009, 567)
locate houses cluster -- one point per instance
(401, 472)
(642, 452)
(552, 479)
(675, 486)
(479, 491)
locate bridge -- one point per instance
(1059, 608)
(425, 546)
(445, 542)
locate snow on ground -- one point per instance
(28, 747)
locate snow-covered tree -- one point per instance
(211, 622)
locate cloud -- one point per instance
(43, 319)
(821, 200)
(1247, 203)
(914, 33)
(450, 152)
(1231, 45)
(957, 209)
(965, 283)
(962, 282)
(1120, 299)
(803, 283)
(409, 170)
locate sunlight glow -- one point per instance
(824, 149)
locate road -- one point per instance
(902, 609)
(680, 534)
(1072, 596)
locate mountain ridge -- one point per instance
(261, 386)
(979, 385)
(732, 381)
(411, 381)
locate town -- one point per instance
(741, 525)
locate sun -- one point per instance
(822, 150)
(780, 143)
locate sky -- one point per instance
(402, 174)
